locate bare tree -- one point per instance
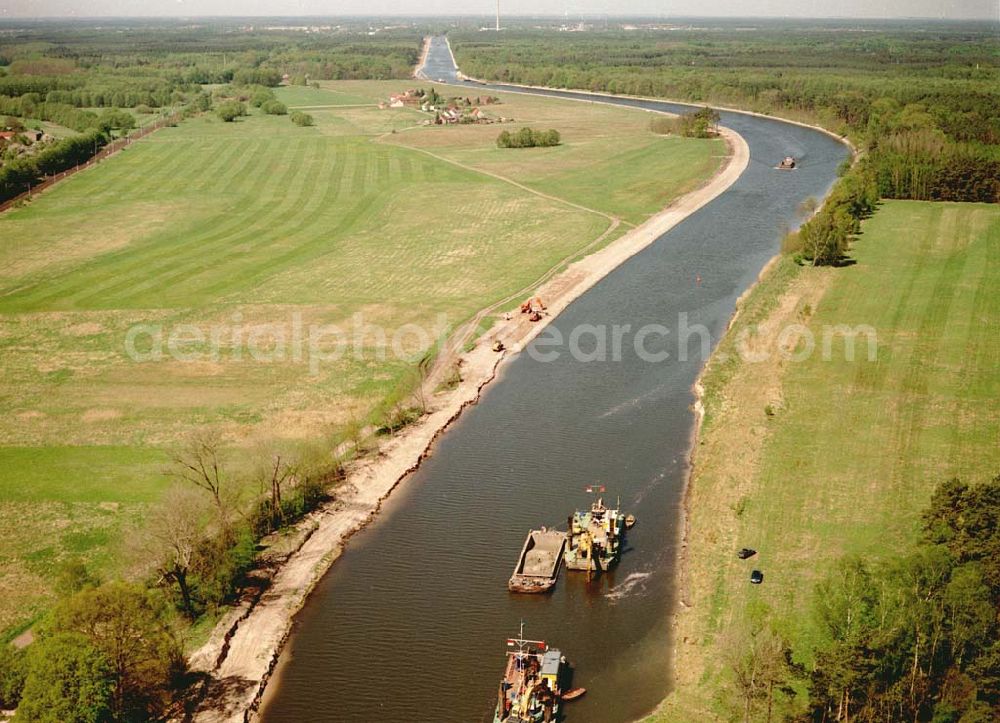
(272, 475)
(174, 530)
(419, 376)
(199, 463)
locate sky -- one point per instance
(944, 9)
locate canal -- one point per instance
(409, 625)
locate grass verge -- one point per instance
(809, 460)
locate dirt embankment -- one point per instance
(243, 650)
(726, 455)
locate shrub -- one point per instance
(220, 565)
(528, 138)
(202, 101)
(230, 110)
(72, 577)
(257, 76)
(261, 96)
(13, 668)
(13, 123)
(301, 119)
(273, 107)
(699, 124)
(69, 681)
(115, 119)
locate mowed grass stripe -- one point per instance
(256, 272)
(173, 286)
(324, 190)
(232, 162)
(372, 197)
(927, 349)
(983, 308)
(140, 267)
(127, 260)
(340, 204)
(848, 468)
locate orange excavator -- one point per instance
(533, 307)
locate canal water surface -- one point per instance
(409, 626)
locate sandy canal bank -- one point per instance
(418, 69)
(243, 650)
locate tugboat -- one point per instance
(530, 691)
(595, 536)
(788, 164)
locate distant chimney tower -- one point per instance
(498, 16)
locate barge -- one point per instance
(538, 566)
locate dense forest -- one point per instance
(925, 106)
(910, 637)
(915, 638)
(80, 77)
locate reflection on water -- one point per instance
(410, 625)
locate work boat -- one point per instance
(594, 540)
(530, 691)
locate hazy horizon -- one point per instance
(754, 9)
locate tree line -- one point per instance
(909, 637)
(59, 73)
(925, 107)
(112, 651)
(162, 66)
(17, 175)
(700, 123)
(916, 637)
(825, 237)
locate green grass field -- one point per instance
(608, 160)
(230, 226)
(854, 449)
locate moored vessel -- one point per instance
(531, 688)
(538, 565)
(594, 540)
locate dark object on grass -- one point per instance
(756, 577)
(745, 553)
